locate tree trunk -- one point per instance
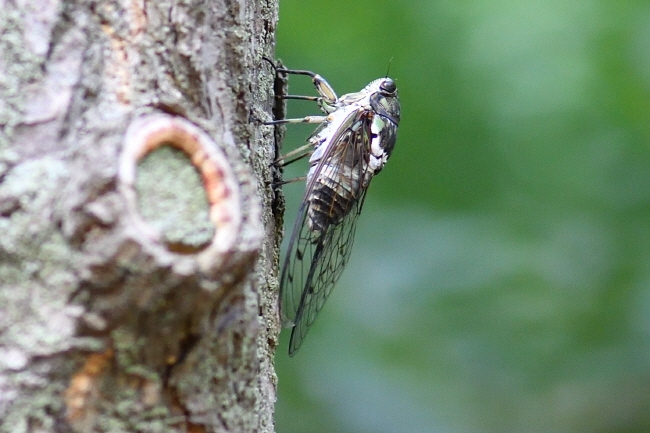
(139, 238)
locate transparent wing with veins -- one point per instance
(316, 258)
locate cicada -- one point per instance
(354, 139)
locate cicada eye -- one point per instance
(388, 86)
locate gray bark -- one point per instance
(138, 238)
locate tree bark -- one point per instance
(139, 228)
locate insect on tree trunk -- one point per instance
(138, 238)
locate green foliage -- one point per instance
(501, 275)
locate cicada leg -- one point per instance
(327, 94)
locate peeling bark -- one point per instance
(139, 246)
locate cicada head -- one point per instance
(385, 101)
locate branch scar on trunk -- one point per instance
(150, 133)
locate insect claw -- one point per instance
(254, 118)
(271, 62)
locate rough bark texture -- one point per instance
(138, 246)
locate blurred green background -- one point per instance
(500, 280)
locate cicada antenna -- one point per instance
(388, 68)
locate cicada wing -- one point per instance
(316, 258)
(331, 253)
(295, 268)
